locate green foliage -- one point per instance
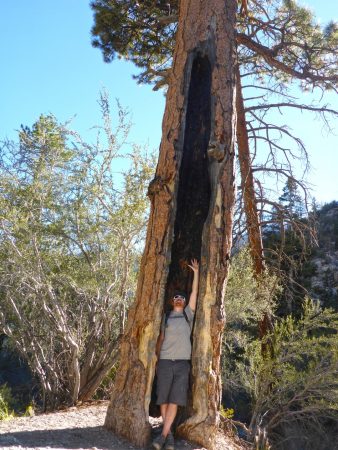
(71, 235)
(29, 411)
(227, 413)
(6, 402)
(142, 32)
(247, 299)
(296, 39)
(294, 387)
(297, 383)
(292, 200)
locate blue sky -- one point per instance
(49, 66)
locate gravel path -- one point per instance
(76, 428)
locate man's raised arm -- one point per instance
(194, 266)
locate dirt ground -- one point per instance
(78, 428)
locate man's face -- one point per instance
(178, 300)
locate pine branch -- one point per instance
(292, 105)
(270, 56)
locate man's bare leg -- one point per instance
(170, 415)
(163, 408)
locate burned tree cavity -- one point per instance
(192, 201)
(194, 188)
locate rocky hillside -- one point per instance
(322, 276)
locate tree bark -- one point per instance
(89, 388)
(249, 200)
(192, 200)
(247, 184)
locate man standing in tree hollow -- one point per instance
(173, 351)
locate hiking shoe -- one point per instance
(158, 443)
(170, 442)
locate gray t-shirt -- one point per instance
(176, 344)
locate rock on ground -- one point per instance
(77, 428)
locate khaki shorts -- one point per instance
(173, 381)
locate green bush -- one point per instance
(68, 215)
(247, 299)
(302, 376)
(293, 390)
(6, 402)
(296, 385)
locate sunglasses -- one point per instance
(176, 297)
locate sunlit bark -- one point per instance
(192, 200)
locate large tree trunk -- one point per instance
(192, 200)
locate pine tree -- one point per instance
(291, 200)
(192, 201)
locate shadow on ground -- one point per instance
(69, 438)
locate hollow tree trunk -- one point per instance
(192, 200)
(249, 198)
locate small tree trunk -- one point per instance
(192, 201)
(249, 199)
(74, 374)
(88, 390)
(248, 188)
